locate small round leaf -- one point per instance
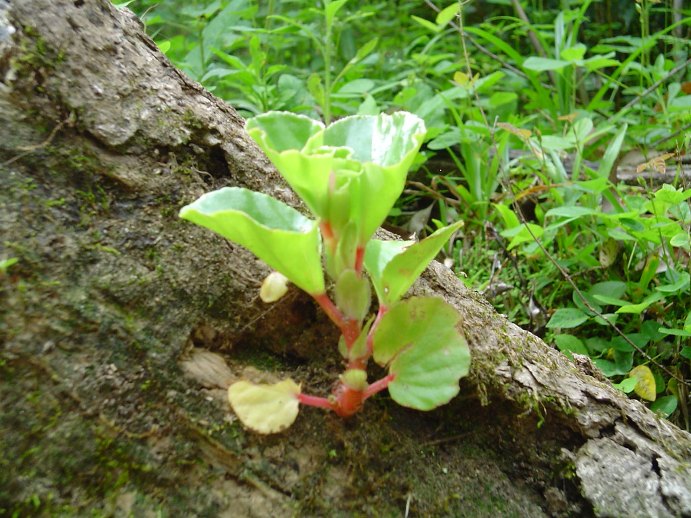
(265, 408)
(418, 340)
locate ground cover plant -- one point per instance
(533, 112)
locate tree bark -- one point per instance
(122, 326)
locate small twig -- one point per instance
(652, 87)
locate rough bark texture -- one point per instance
(122, 325)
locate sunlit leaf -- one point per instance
(265, 408)
(277, 234)
(374, 153)
(447, 14)
(394, 266)
(418, 340)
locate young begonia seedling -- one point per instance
(349, 175)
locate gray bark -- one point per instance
(122, 326)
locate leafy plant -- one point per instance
(349, 175)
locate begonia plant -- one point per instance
(349, 175)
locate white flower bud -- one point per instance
(274, 287)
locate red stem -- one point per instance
(378, 386)
(319, 402)
(359, 259)
(350, 329)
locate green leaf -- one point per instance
(394, 265)
(543, 64)
(569, 344)
(627, 385)
(353, 295)
(637, 309)
(680, 286)
(611, 153)
(6, 263)
(522, 234)
(665, 405)
(608, 288)
(265, 408)
(427, 24)
(571, 212)
(675, 332)
(418, 340)
(447, 14)
(277, 234)
(567, 318)
(575, 53)
(331, 8)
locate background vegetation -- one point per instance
(532, 110)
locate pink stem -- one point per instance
(378, 386)
(319, 402)
(350, 329)
(359, 259)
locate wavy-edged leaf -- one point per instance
(419, 341)
(265, 408)
(394, 265)
(377, 149)
(386, 146)
(277, 234)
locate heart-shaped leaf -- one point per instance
(418, 340)
(395, 265)
(277, 234)
(265, 408)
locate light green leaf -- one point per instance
(522, 234)
(571, 212)
(637, 309)
(386, 146)
(681, 240)
(611, 153)
(427, 24)
(394, 265)
(447, 14)
(567, 318)
(575, 53)
(331, 8)
(543, 64)
(627, 385)
(418, 340)
(277, 234)
(265, 408)
(374, 152)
